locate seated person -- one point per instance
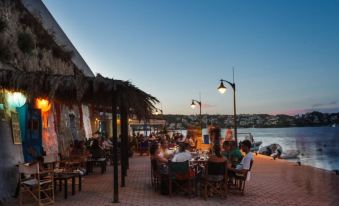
(161, 161)
(182, 155)
(217, 157)
(231, 152)
(189, 140)
(164, 151)
(155, 153)
(214, 170)
(245, 164)
(96, 150)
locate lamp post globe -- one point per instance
(222, 89)
(192, 105)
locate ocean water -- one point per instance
(318, 146)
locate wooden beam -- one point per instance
(115, 153)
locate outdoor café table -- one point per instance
(91, 162)
(63, 178)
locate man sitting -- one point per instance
(245, 164)
(182, 155)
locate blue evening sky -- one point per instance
(285, 53)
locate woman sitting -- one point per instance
(155, 153)
(161, 162)
(164, 151)
(216, 165)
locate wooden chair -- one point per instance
(215, 179)
(179, 175)
(38, 184)
(155, 174)
(240, 180)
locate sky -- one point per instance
(285, 54)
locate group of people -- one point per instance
(237, 162)
(95, 147)
(142, 143)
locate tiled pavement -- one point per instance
(272, 183)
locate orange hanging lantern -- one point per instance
(44, 105)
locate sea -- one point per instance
(318, 146)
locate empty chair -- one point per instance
(37, 184)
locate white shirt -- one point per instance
(182, 157)
(246, 164)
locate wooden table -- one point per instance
(63, 178)
(92, 162)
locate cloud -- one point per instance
(331, 103)
(207, 106)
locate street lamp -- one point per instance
(222, 89)
(193, 105)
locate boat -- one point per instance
(276, 151)
(290, 154)
(333, 125)
(255, 144)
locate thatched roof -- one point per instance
(78, 88)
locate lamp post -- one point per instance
(193, 107)
(222, 89)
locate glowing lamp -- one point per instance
(16, 99)
(156, 113)
(222, 88)
(193, 105)
(43, 104)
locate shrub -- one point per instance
(4, 52)
(3, 25)
(25, 42)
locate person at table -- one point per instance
(214, 170)
(245, 164)
(189, 140)
(155, 153)
(183, 155)
(96, 150)
(164, 151)
(229, 134)
(231, 152)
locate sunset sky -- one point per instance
(285, 53)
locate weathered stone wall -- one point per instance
(10, 155)
(38, 59)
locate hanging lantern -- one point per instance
(15, 99)
(43, 104)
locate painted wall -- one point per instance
(10, 155)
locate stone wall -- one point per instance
(10, 156)
(39, 58)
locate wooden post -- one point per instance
(122, 146)
(124, 131)
(115, 152)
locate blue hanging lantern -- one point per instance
(16, 99)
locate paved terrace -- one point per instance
(273, 183)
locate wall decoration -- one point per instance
(16, 128)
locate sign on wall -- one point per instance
(16, 128)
